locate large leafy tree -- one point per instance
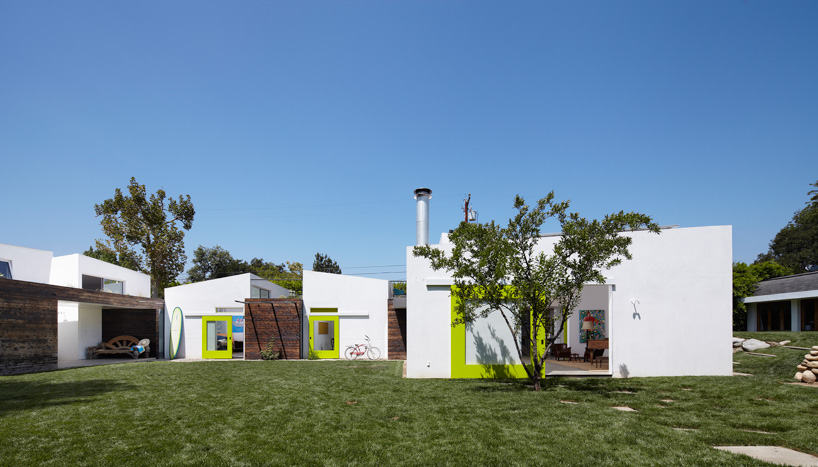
(110, 257)
(147, 231)
(212, 263)
(323, 263)
(796, 245)
(745, 280)
(500, 269)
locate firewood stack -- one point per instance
(808, 369)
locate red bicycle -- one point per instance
(354, 351)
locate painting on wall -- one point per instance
(598, 317)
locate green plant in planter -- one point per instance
(269, 352)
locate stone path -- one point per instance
(773, 454)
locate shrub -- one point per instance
(269, 352)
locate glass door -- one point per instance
(217, 337)
(324, 336)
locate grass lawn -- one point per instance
(308, 412)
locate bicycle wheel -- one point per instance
(373, 353)
(350, 353)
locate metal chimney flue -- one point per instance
(422, 196)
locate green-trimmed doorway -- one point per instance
(324, 332)
(217, 337)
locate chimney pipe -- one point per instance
(422, 195)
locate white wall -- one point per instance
(353, 297)
(202, 298)
(681, 325)
(79, 326)
(27, 264)
(68, 270)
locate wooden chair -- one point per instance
(561, 351)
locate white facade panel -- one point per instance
(27, 264)
(364, 301)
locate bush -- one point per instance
(269, 352)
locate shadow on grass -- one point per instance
(27, 395)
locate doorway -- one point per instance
(217, 337)
(324, 334)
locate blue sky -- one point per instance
(299, 127)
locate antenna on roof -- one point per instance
(469, 215)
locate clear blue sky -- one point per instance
(299, 127)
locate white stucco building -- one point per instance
(666, 312)
(79, 325)
(218, 301)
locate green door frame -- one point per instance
(335, 353)
(217, 353)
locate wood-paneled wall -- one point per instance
(278, 319)
(397, 332)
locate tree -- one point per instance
(498, 269)
(212, 263)
(147, 231)
(745, 279)
(323, 263)
(110, 257)
(796, 245)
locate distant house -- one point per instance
(788, 303)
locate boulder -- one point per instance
(737, 341)
(808, 377)
(799, 376)
(751, 345)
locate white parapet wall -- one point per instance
(361, 303)
(27, 264)
(68, 271)
(668, 311)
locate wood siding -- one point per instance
(28, 321)
(273, 318)
(142, 324)
(397, 332)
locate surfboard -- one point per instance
(175, 331)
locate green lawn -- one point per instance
(314, 412)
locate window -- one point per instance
(5, 270)
(809, 308)
(257, 292)
(104, 285)
(230, 310)
(774, 316)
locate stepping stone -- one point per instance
(624, 392)
(667, 400)
(686, 389)
(773, 454)
(757, 431)
(736, 373)
(685, 429)
(624, 408)
(569, 402)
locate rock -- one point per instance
(772, 343)
(799, 376)
(751, 345)
(737, 349)
(815, 347)
(737, 341)
(811, 357)
(784, 342)
(812, 364)
(813, 352)
(814, 370)
(801, 367)
(808, 377)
